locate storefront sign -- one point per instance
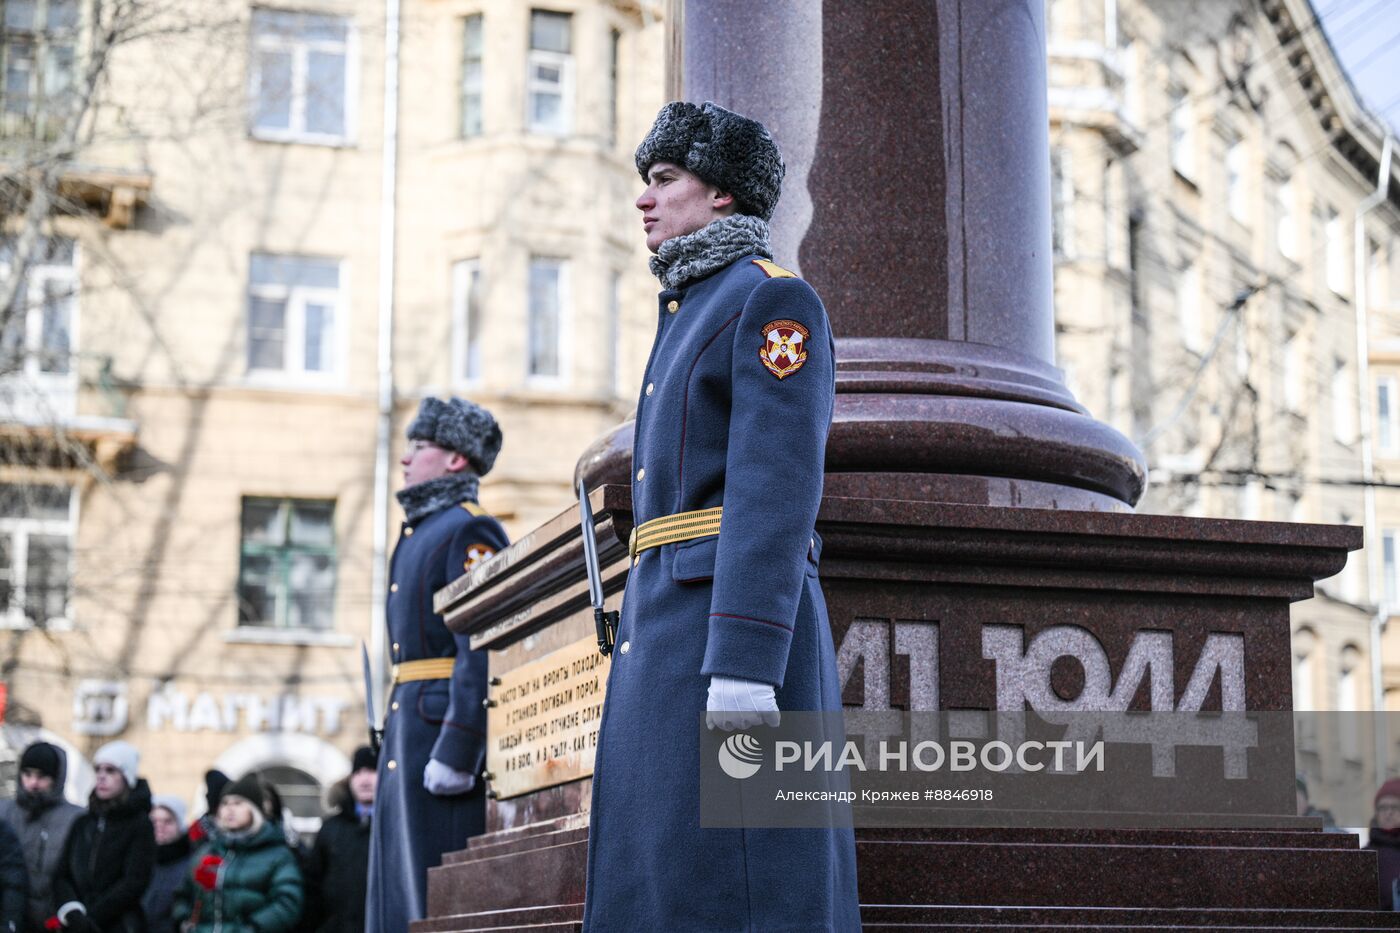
(234, 712)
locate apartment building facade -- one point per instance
(271, 221)
(1222, 280)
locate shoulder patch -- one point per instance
(784, 347)
(478, 553)
(475, 509)
(773, 270)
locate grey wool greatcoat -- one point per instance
(735, 409)
(441, 719)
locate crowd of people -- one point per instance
(131, 862)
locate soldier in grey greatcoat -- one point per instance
(42, 818)
(723, 615)
(429, 798)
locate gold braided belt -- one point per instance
(672, 529)
(426, 669)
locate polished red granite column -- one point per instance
(917, 203)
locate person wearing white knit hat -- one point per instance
(110, 854)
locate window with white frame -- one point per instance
(1183, 134)
(1387, 424)
(294, 312)
(301, 81)
(548, 295)
(466, 320)
(549, 78)
(1286, 209)
(1334, 238)
(473, 80)
(1236, 189)
(37, 57)
(1343, 419)
(287, 561)
(1061, 203)
(37, 339)
(36, 555)
(1188, 306)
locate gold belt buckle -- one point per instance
(632, 543)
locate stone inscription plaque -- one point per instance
(543, 727)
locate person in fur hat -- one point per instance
(429, 797)
(721, 621)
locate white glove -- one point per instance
(739, 704)
(445, 780)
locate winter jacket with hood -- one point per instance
(242, 883)
(108, 861)
(43, 822)
(337, 870)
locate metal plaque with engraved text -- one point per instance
(543, 727)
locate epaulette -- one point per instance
(773, 270)
(476, 510)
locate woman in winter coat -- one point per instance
(245, 879)
(173, 855)
(111, 852)
(43, 819)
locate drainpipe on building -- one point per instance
(1363, 373)
(388, 220)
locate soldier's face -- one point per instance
(677, 202)
(424, 460)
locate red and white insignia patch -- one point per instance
(784, 347)
(478, 554)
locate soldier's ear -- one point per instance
(456, 463)
(721, 200)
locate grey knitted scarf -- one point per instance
(437, 494)
(684, 259)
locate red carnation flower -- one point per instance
(52, 924)
(206, 874)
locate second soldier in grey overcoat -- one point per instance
(429, 799)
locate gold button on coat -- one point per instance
(641, 474)
(650, 387)
(392, 764)
(625, 647)
(393, 587)
(673, 306)
(396, 646)
(407, 532)
(394, 705)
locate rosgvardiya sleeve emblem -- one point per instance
(784, 347)
(478, 554)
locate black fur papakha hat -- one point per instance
(459, 425)
(731, 152)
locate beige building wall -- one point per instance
(1210, 160)
(170, 429)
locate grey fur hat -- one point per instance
(459, 425)
(731, 152)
